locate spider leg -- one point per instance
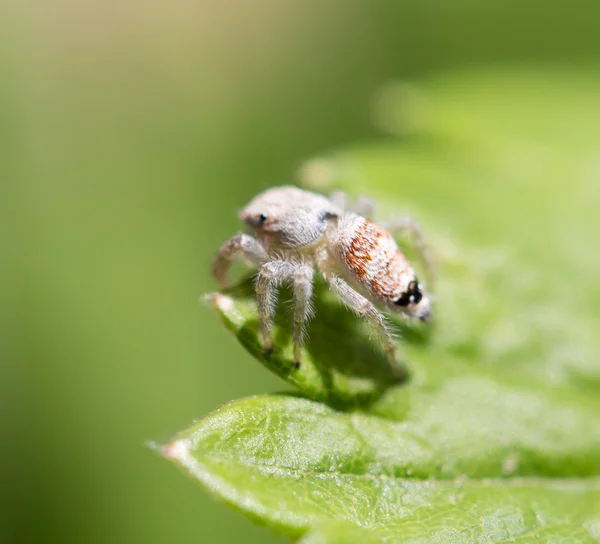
(340, 199)
(242, 245)
(359, 304)
(363, 205)
(303, 288)
(270, 277)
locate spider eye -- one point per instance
(404, 300)
(262, 217)
(412, 295)
(416, 293)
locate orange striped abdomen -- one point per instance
(373, 258)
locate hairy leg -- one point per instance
(340, 199)
(358, 303)
(270, 277)
(363, 205)
(303, 288)
(242, 245)
(403, 224)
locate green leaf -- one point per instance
(494, 434)
(296, 464)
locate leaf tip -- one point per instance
(207, 298)
(155, 446)
(218, 301)
(179, 450)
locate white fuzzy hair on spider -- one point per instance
(294, 232)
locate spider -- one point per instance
(295, 231)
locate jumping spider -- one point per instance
(295, 231)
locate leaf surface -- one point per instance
(297, 465)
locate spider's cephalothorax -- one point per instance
(295, 231)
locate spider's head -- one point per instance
(288, 217)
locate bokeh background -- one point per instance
(131, 132)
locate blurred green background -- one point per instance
(131, 133)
